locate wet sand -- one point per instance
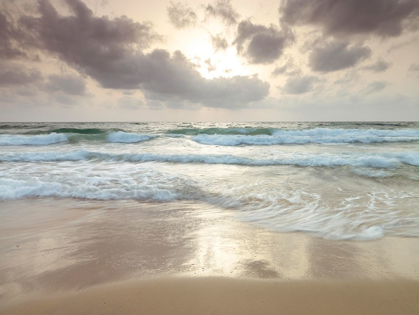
(72, 256)
(232, 296)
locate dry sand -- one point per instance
(204, 296)
(77, 257)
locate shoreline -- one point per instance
(212, 295)
(78, 253)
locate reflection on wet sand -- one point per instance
(73, 247)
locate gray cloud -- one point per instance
(180, 15)
(414, 67)
(104, 49)
(68, 84)
(219, 42)
(342, 17)
(223, 10)
(12, 74)
(10, 38)
(130, 103)
(300, 84)
(288, 69)
(84, 40)
(210, 66)
(334, 56)
(261, 44)
(375, 87)
(379, 66)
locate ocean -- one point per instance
(344, 181)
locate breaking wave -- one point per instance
(387, 161)
(317, 136)
(87, 135)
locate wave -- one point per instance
(32, 140)
(22, 126)
(277, 205)
(385, 161)
(222, 131)
(53, 138)
(84, 131)
(316, 136)
(125, 137)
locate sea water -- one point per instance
(332, 180)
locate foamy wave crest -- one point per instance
(52, 138)
(125, 137)
(387, 161)
(277, 205)
(137, 187)
(33, 140)
(317, 135)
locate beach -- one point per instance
(209, 218)
(185, 258)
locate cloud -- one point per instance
(288, 69)
(10, 37)
(334, 56)
(180, 15)
(84, 40)
(12, 74)
(210, 66)
(108, 51)
(384, 18)
(414, 67)
(68, 84)
(219, 42)
(300, 84)
(261, 44)
(130, 103)
(375, 87)
(379, 66)
(224, 10)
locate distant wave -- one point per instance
(33, 140)
(386, 161)
(88, 135)
(84, 131)
(317, 136)
(22, 126)
(222, 131)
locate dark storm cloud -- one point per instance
(334, 56)
(219, 42)
(300, 84)
(351, 17)
(109, 51)
(68, 84)
(15, 75)
(180, 15)
(379, 66)
(375, 87)
(261, 44)
(223, 10)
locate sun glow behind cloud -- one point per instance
(236, 56)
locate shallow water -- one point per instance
(332, 180)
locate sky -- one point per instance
(289, 60)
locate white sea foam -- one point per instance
(52, 138)
(125, 137)
(277, 205)
(386, 161)
(33, 140)
(317, 135)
